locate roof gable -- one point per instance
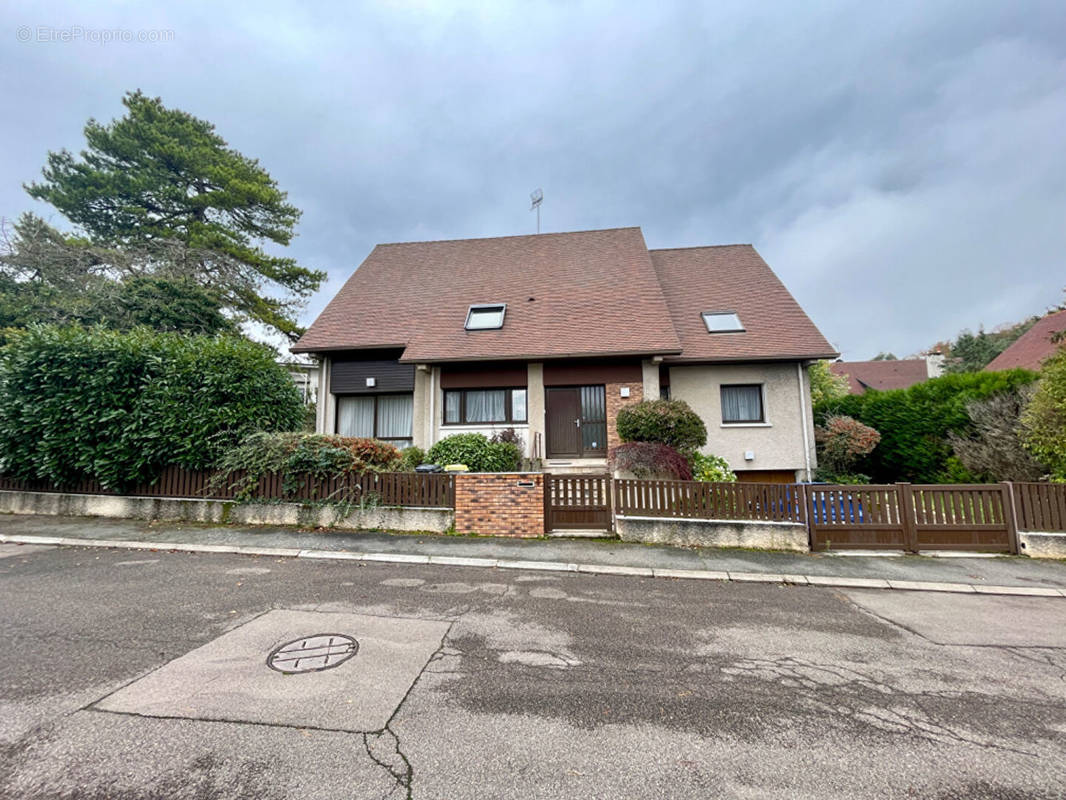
(1034, 347)
(734, 278)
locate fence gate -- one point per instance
(906, 517)
(577, 502)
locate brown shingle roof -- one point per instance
(570, 294)
(882, 375)
(1033, 347)
(734, 278)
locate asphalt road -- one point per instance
(144, 675)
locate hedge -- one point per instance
(120, 406)
(914, 424)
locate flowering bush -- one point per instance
(712, 469)
(669, 422)
(841, 442)
(650, 460)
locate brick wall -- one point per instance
(493, 504)
(616, 402)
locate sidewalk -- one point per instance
(957, 574)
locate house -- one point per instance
(890, 374)
(552, 334)
(1035, 346)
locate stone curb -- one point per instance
(552, 566)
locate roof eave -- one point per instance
(405, 359)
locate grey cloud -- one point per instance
(900, 166)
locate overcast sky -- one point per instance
(900, 165)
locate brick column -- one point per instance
(499, 503)
(616, 402)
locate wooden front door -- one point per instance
(564, 423)
(577, 421)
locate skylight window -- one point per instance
(722, 321)
(485, 317)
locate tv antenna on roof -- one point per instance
(536, 198)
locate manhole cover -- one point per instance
(313, 653)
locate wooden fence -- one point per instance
(1040, 506)
(430, 490)
(772, 502)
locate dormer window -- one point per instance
(485, 317)
(722, 322)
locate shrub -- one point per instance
(841, 442)
(994, 451)
(502, 457)
(712, 469)
(411, 457)
(509, 435)
(669, 422)
(1044, 419)
(914, 423)
(650, 460)
(120, 406)
(476, 452)
(296, 455)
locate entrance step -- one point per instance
(576, 466)
(581, 534)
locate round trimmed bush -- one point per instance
(669, 422)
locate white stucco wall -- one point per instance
(778, 443)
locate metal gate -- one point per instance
(577, 502)
(906, 517)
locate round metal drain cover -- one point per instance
(313, 653)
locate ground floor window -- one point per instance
(388, 417)
(474, 406)
(742, 403)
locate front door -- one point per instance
(577, 421)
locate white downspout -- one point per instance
(803, 422)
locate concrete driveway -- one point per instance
(132, 674)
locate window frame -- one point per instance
(392, 439)
(740, 324)
(485, 307)
(762, 403)
(508, 405)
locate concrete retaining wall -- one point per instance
(713, 533)
(1036, 544)
(395, 518)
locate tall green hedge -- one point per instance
(914, 424)
(120, 406)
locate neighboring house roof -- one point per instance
(734, 278)
(881, 375)
(1033, 347)
(589, 293)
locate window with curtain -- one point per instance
(395, 417)
(484, 406)
(388, 417)
(742, 403)
(355, 416)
